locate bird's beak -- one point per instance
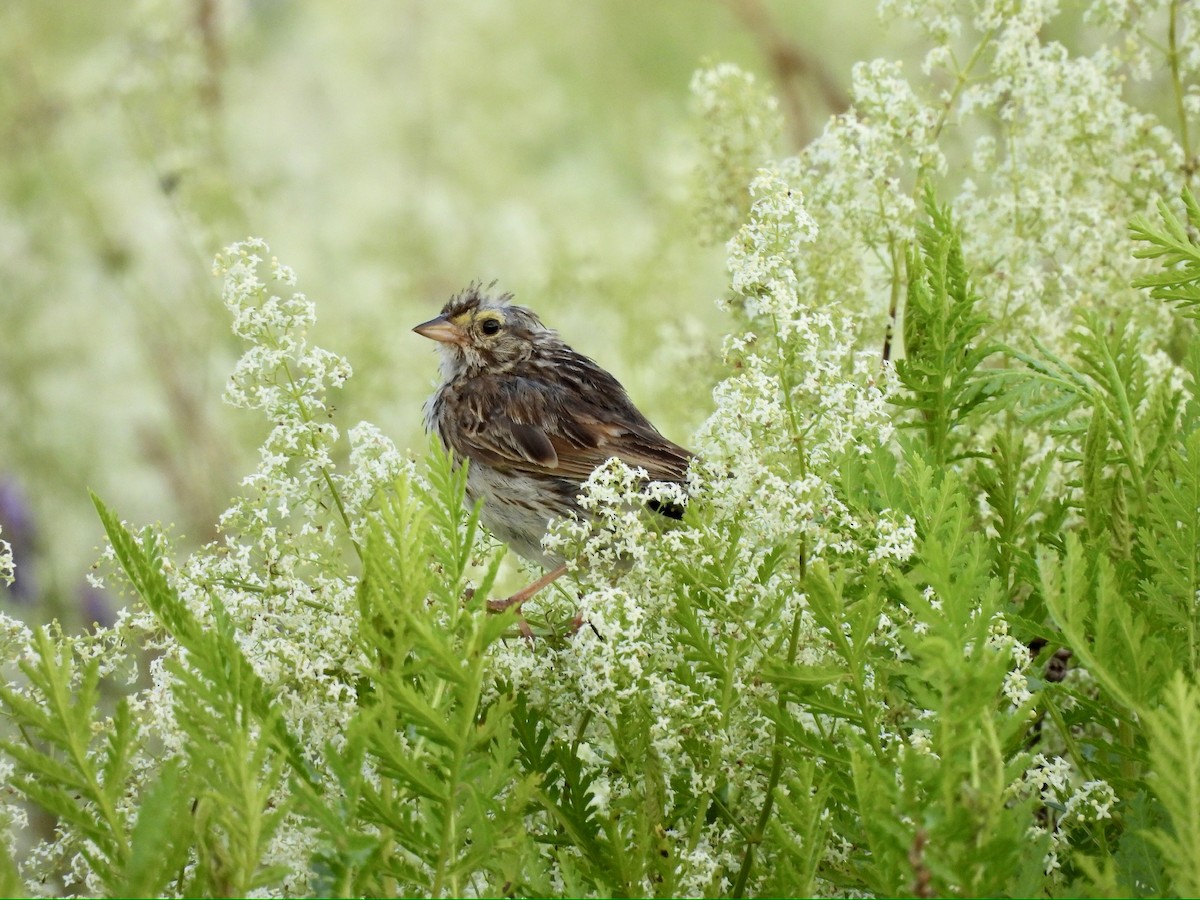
(441, 329)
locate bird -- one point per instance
(533, 418)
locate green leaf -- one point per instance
(1174, 731)
(62, 762)
(1138, 860)
(141, 560)
(449, 808)
(1170, 541)
(1110, 636)
(943, 346)
(161, 837)
(11, 884)
(1174, 244)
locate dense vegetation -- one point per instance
(930, 625)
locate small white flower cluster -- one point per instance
(939, 19)
(1093, 800)
(740, 126)
(764, 253)
(1141, 24)
(614, 534)
(285, 378)
(625, 661)
(14, 816)
(374, 464)
(700, 868)
(1057, 786)
(15, 644)
(921, 740)
(1016, 682)
(7, 568)
(802, 394)
(894, 541)
(935, 603)
(15, 637)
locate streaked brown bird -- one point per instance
(534, 418)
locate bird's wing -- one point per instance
(565, 428)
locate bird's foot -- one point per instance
(499, 606)
(525, 593)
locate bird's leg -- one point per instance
(525, 593)
(497, 606)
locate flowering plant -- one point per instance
(929, 625)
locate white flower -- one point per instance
(895, 541)
(7, 569)
(740, 126)
(1091, 801)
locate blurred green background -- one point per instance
(389, 152)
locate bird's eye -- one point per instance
(490, 326)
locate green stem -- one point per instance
(1177, 84)
(1127, 435)
(1068, 738)
(1125, 732)
(785, 381)
(960, 82)
(447, 846)
(306, 417)
(584, 721)
(59, 695)
(764, 818)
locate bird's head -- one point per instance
(476, 332)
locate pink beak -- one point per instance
(441, 329)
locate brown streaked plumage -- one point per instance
(533, 416)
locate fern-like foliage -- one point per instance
(1175, 244)
(976, 736)
(943, 336)
(1113, 638)
(1024, 516)
(1175, 758)
(224, 794)
(1170, 540)
(445, 814)
(67, 761)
